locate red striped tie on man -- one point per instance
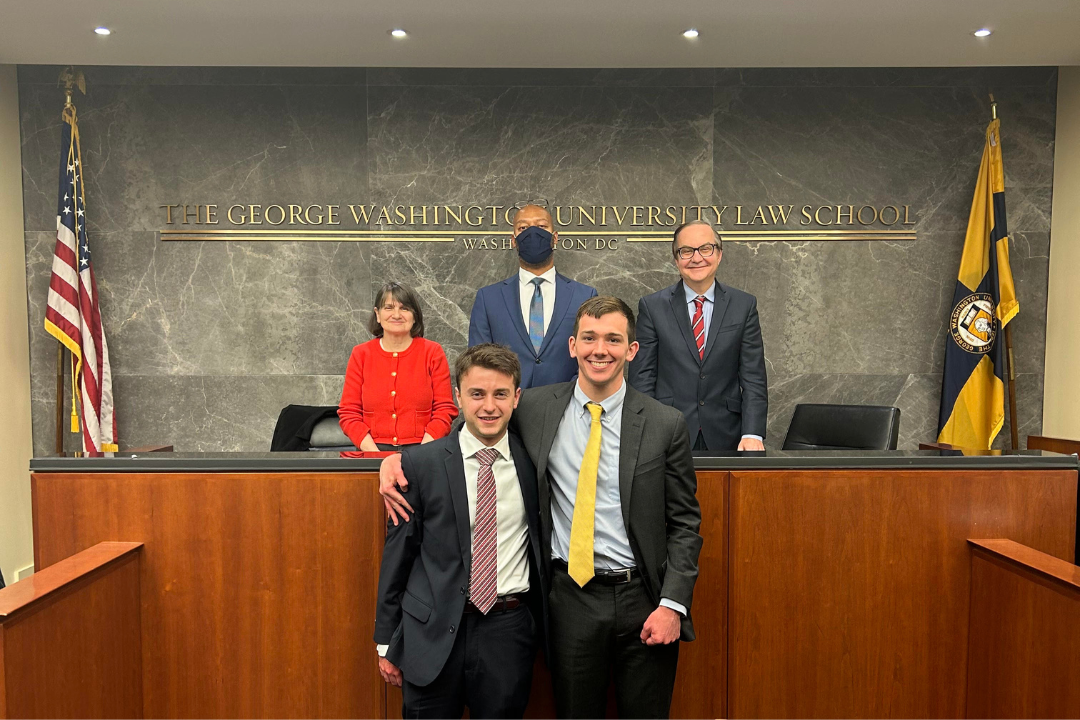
(699, 325)
(72, 314)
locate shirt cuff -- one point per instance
(753, 437)
(381, 649)
(681, 609)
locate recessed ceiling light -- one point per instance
(983, 32)
(690, 34)
(399, 33)
(103, 30)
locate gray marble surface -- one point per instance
(210, 340)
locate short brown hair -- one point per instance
(706, 223)
(408, 299)
(489, 356)
(601, 305)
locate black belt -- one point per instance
(603, 577)
(502, 604)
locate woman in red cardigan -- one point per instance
(397, 385)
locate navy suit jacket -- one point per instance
(726, 394)
(496, 317)
(426, 562)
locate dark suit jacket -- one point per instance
(426, 562)
(657, 487)
(496, 317)
(725, 395)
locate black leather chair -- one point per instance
(843, 427)
(309, 427)
(327, 436)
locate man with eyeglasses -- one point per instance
(701, 350)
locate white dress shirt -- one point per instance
(511, 526)
(547, 292)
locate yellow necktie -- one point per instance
(581, 529)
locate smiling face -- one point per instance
(394, 318)
(487, 399)
(602, 350)
(697, 270)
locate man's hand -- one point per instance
(751, 444)
(390, 672)
(662, 627)
(390, 479)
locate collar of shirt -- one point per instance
(709, 294)
(470, 445)
(612, 404)
(525, 277)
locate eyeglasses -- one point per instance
(705, 251)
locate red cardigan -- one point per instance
(397, 397)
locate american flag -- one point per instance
(72, 315)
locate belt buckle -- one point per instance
(628, 575)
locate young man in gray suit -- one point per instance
(701, 349)
(461, 594)
(620, 523)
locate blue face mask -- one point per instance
(534, 245)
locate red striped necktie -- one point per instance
(484, 576)
(699, 325)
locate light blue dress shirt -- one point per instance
(611, 546)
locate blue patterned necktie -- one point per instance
(536, 316)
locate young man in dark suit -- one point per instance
(701, 349)
(532, 312)
(620, 523)
(461, 594)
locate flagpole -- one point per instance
(1014, 433)
(68, 79)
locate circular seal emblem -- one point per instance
(972, 323)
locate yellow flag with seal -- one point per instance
(973, 388)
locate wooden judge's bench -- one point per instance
(831, 585)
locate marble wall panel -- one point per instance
(210, 340)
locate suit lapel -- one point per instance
(459, 494)
(512, 298)
(677, 299)
(529, 491)
(563, 291)
(552, 419)
(633, 425)
(721, 300)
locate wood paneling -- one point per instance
(821, 592)
(70, 638)
(701, 685)
(258, 590)
(849, 589)
(1058, 445)
(1024, 639)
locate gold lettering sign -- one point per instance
(488, 227)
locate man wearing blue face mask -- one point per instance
(533, 311)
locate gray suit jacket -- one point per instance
(657, 487)
(726, 394)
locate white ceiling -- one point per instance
(555, 33)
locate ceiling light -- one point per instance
(983, 32)
(399, 33)
(103, 30)
(690, 34)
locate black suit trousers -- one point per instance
(596, 635)
(489, 670)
